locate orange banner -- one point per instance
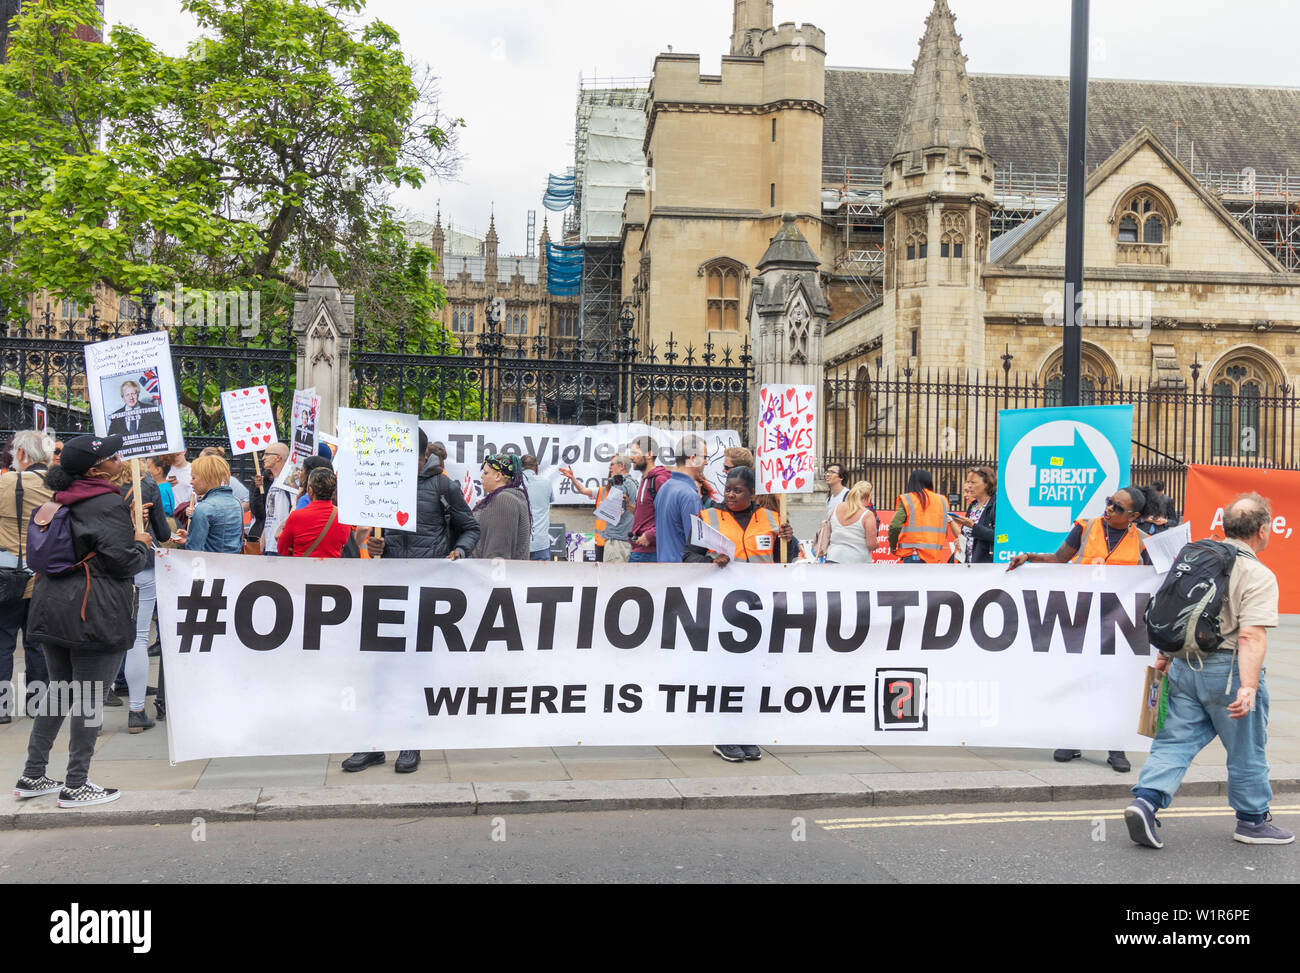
(1209, 488)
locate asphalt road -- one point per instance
(1028, 843)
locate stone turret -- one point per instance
(490, 249)
(438, 241)
(748, 21)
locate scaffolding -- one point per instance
(597, 92)
(599, 301)
(1267, 205)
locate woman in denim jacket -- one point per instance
(216, 519)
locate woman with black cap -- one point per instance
(84, 617)
(504, 517)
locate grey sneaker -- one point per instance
(36, 786)
(732, 753)
(751, 752)
(87, 794)
(1141, 820)
(1264, 833)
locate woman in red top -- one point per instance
(305, 533)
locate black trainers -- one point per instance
(1141, 820)
(111, 698)
(751, 752)
(1065, 756)
(407, 761)
(363, 759)
(1119, 760)
(36, 786)
(730, 752)
(138, 721)
(87, 794)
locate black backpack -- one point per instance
(1184, 613)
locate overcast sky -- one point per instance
(511, 69)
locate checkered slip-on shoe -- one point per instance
(87, 794)
(36, 786)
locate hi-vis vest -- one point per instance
(758, 543)
(1096, 551)
(925, 532)
(600, 525)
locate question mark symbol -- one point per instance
(901, 701)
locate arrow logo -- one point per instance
(1065, 476)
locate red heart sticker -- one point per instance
(261, 391)
(245, 391)
(403, 517)
(264, 402)
(794, 420)
(807, 396)
(762, 394)
(239, 444)
(789, 393)
(248, 429)
(799, 481)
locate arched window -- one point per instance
(915, 249)
(1142, 222)
(1235, 392)
(462, 319)
(1097, 374)
(566, 322)
(952, 246)
(516, 321)
(722, 280)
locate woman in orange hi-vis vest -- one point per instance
(757, 535)
(921, 532)
(1112, 538)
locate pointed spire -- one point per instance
(940, 109)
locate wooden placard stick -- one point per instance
(780, 503)
(136, 507)
(258, 470)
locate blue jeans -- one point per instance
(544, 555)
(13, 619)
(641, 557)
(1198, 712)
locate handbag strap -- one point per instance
(18, 514)
(334, 514)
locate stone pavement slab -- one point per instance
(955, 788)
(144, 807)
(575, 795)
(369, 801)
(803, 791)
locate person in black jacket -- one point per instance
(977, 522)
(444, 528)
(85, 617)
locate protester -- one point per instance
(444, 528)
(977, 523)
(854, 528)
(644, 454)
(836, 489)
(180, 477)
(541, 494)
(157, 468)
(734, 456)
(757, 537)
(237, 487)
(216, 519)
(1110, 539)
(1196, 703)
(503, 516)
(57, 453)
(315, 530)
(678, 500)
(19, 496)
(1154, 518)
(83, 617)
(612, 543)
(136, 663)
(272, 504)
(920, 532)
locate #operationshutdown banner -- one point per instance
(343, 655)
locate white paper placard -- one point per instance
(1162, 548)
(377, 468)
(611, 508)
(705, 535)
(132, 394)
(250, 423)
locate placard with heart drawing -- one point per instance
(787, 438)
(377, 468)
(249, 419)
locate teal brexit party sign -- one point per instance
(1055, 466)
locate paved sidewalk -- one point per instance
(488, 781)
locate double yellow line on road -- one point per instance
(1013, 817)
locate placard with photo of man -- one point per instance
(133, 394)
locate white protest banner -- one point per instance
(587, 449)
(787, 444)
(377, 468)
(1163, 547)
(435, 654)
(133, 394)
(302, 425)
(706, 536)
(250, 423)
(612, 507)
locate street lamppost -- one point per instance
(1076, 174)
(626, 352)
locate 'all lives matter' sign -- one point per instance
(1054, 467)
(787, 446)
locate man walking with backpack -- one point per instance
(1224, 695)
(444, 528)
